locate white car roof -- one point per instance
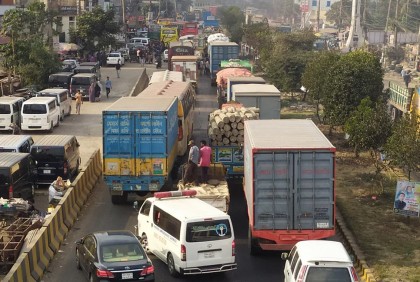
(320, 250)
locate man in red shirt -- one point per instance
(205, 160)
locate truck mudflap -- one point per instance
(279, 240)
(116, 192)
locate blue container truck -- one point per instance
(220, 51)
(139, 145)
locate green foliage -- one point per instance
(232, 18)
(340, 13)
(284, 61)
(259, 35)
(315, 79)
(29, 53)
(355, 76)
(403, 147)
(95, 30)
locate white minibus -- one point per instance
(10, 111)
(189, 235)
(40, 113)
(63, 99)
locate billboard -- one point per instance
(407, 198)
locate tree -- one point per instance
(314, 78)
(285, 60)
(340, 13)
(355, 76)
(258, 35)
(95, 30)
(232, 18)
(369, 126)
(29, 52)
(403, 146)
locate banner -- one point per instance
(407, 198)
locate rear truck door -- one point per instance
(314, 190)
(209, 243)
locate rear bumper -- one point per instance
(25, 126)
(208, 269)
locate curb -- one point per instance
(366, 273)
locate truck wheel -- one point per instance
(254, 248)
(171, 266)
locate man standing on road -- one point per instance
(79, 101)
(118, 68)
(138, 55)
(108, 86)
(190, 175)
(205, 159)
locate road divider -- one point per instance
(34, 259)
(141, 84)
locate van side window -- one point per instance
(25, 147)
(167, 222)
(145, 209)
(299, 265)
(51, 105)
(294, 260)
(63, 96)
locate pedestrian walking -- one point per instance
(205, 160)
(108, 86)
(15, 129)
(190, 175)
(142, 58)
(407, 78)
(92, 90)
(207, 67)
(138, 55)
(118, 68)
(79, 101)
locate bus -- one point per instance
(164, 21)
(168, 34)
(186, 103)
(189, 28)
(166, 75)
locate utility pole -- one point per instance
(355, 29)
(386, 34)
(318, 11)
(123, 19)
(396, 25)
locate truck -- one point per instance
(187, 65)
(289, 183)
(139, 145)
(266, 97)
(219, 51)
(240, 80)
(402, 99)
(216, 191)
(179, 48)
(237, 63)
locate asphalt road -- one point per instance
(100, 214)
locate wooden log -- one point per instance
(241, 132)
(224, 118)
(233, 138)
(231, 117)
(240, 125)
(226, 141)
(210, 133)
(238, 117)
(220, 143)
(219, 121)
(227, 127)
(233, 125)
(219, 137)
(240, 138)
(214, 142)
(235, 132)
(228, 133)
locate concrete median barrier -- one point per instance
(141, 84)
(80, 189)
(20, 271)
(70, 207)
(56, 229)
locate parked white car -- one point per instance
(114, 57)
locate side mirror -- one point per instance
(136, 205)
(284, 256)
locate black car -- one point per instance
(113, 256)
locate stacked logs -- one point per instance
(226, 126)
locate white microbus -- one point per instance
(40, 113)
(189, 235)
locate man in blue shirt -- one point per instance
(108, 86)
(190, 175)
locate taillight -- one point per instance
(65, 168)
(302, 273)
(233, 248)
(183, 253)
(11, 191)
(354, 274)
(147, 270)
(104, 274)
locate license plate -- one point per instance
(153, 187)
(209, 255)
(47, 171)
(128, 275)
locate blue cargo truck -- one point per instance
(139, 145)
(220, 51)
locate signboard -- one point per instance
(181, 50)
(68, 10)
(407, 198)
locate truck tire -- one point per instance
(119, 200)
(254, 248)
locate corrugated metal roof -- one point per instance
(286, 134)
(166, 88)
(161, 76)
(255, 88)
(53, 140)
(12, 140)
(152, 104)
(9, 159)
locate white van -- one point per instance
(318, 260)
(10, 111)
(40, 113)
(16, 143)
(63, 99)
(139, 41)
(189, 235)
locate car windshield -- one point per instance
(4, 109)
(49, 154)
(34, 109)
(121, 252)
(80, 81)
(114, 55)
(57, 78)
(331, 274)
(208, 231)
